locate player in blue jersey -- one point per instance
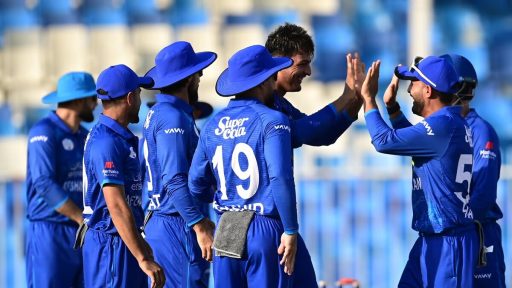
(321, 128)
(486, 173)
(445, 252)
(325, 126)
(244, 151)
(180, 235)
(54, 184)
(114, 252)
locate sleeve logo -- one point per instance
(283, 127)
(42, 138)
(427, 126)
(109, 165)
(174, 131)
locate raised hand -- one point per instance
(288, 248)
(204, 231)
(390, 94)
(371, 82)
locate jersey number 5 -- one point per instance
(461, 177)
(251, 173)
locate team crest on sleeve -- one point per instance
(487, 152)
(109, 169)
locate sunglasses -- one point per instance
(414, 67)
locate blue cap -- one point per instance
(462, 66)
(72, 86)
(434, 71)
(248, 68)
(177, 62)
(118, 80)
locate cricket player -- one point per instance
(244, 151)
(486, 173)
(54, 184)
(445, 252)
(180, 235)
(114, 252)
(325, 126)
(321, 128)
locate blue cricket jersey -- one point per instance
(245, 151)
(321, 128)
(442, 155)
(54, 168)
(486, 168)
(170, 139)
(110, 157)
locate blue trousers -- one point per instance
(442, 260)
(260, 266)
(492, 275)
(109, 263)
(51, 260)
(175, 248)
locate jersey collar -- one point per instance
(243, 102)
(112, 124)
(175, 101)
(56, 119)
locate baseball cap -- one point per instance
(248, 68)
(72, 86)
(437, 72)
(177, 62)
(118, 80)
(466, 74)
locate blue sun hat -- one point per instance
(248, 68)
(177, 62)
(118, 80)
(72, 86)
(437, 72)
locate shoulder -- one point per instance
(43, 131)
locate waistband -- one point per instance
(454, 231)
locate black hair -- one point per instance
(290, 39)
(445, 98)
(175, 86)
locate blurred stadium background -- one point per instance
(354, 203)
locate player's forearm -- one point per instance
(125, 225)
(124, 221)
(177, 190)
(70, 210)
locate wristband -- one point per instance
(393, 109)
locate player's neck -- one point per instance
(182, 94)
(70, 117)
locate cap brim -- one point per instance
(205, 60)
(146, 82)
(54, 97)
(402, 72)
(224, 87)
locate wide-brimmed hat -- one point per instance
(437, 72)
(176, 62)
(72, 86)
(248, 68)
(118, 80)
